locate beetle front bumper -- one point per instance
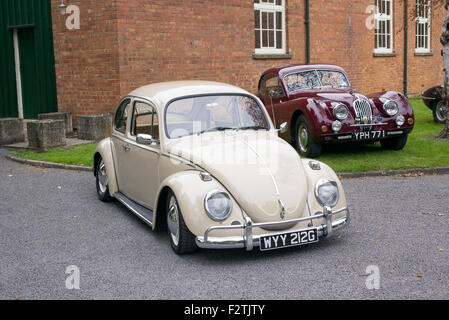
(249, 241)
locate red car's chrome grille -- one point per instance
(363, 112)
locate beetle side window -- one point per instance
(145, 120)
(121, 116)
(270, 86)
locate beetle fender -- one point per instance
(191, 201)
(324, 173)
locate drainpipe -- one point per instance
(307, 23)
(405, 47)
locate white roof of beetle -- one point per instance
(163, 92)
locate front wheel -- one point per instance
(181, 239)
(439, 111)
(102, 182)
(395, 143)
(304, 141)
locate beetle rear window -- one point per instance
(121, 116)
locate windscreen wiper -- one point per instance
(253, 128)
(217, 129)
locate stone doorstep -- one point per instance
(94, 126)
(11, 130)
(46, 134)
(64, 116)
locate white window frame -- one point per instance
(423, 21)
(383, 17)
(265, 6)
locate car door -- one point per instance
(142, 160)
(120, 143)
(272, 95)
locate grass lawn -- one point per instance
(421, 151)
(80, 155)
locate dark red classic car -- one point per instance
(433, 99)
(321, 107)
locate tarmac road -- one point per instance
(51, 219)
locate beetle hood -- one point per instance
(263, 173)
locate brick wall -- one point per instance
(125, 44)
(207, 40)
(339, 36)
(86, 60)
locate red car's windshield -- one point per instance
(312, 79)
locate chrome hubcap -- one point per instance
(441, 111)
(303, 137)
(102, 177)
(173, 220)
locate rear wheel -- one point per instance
(439, 111)
(395, 143)
(304, 141)
(102, 182)
(181, 239)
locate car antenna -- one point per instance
(272, 108)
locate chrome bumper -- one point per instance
(249, 241)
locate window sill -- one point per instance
(259, 56)
(424, 54)
(384, 55)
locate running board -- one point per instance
(143, 213)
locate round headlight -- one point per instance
(326, 192)
(400, 120)
(341, 112)
(336, 126)
(391, 108)
(218, 205)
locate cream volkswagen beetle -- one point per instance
(204, 161)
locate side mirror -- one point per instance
(283, 127)
(145, 139)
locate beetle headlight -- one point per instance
(390, 107)
(326, 192)
(341, 112)
(218, 205)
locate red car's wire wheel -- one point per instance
(439, 111)
(303, 137)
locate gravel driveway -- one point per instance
(51, 219)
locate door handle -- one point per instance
(126, 147)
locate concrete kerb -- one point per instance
(344, 175)
(45, 164)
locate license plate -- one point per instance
(368, 135)
(291, 239)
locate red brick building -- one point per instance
(121, 45)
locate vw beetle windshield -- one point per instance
(195, 115)
(314, 79)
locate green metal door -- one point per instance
(28, 73)
(31, 20)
